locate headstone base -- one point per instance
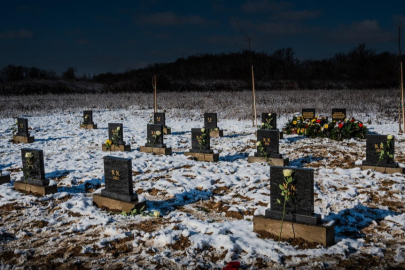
(322, 234)
(275, 161)
(114, 204)
(120, 147)
(4, 179)
(204, 156)
(216, 133)
(29, 188)
(167, 130)
(383, 169)
(157, 150)
(23, 139)
(88, 126)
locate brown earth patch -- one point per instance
(298, 243)
(181, 244)
(10, 207)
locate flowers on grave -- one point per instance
(384, 150)
(27, 171)
(86, 119)
(151, 118)
(108, 144)
(116, 136)
(320, 127)
(288, 191)
(156, 213)
(202, 140)
(156, 136)
(267, 124)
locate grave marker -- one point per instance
(4, 178)
(269, 118)
(33, 168)
(116, 137)
(373, 152)
(338, 114)
(155, 141)
(160, 119)
(299, 218)
(200, 145)
(22, 134)
(211, 123)
(267, 147)
(308, 113)
(88, 120)
(118, 192)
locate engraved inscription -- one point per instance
(115, 174)
(266, 141)
(338, 115)
(308, 115)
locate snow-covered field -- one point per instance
(206, 208)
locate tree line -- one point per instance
(359, 68)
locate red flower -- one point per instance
(360, 125)
(340, 125)
(306, 126)
(352, 120)
(318, 121)
(232, 266)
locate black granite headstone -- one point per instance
(270, 142)
(33, 167)
(155, 136)
(338, 114)
(210, 120)
(373, 151)
(197, 141)
(22, 129)
(88, 117)
(118, 179)
(113, 129)
(159, 119)
(300, 208)
(272, 117)
(308, 113)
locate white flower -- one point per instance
(259, 143)
(287, 172)
(118, 128)
(390, 137)
(269, 114)
(28, 155)
(203, 130)
(151, 115)
(262, 124)
(158, 133)
(156, 213)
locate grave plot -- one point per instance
(267, 147)
(115, 140)
(23, 135)
(87, 122)
(33, 180)
(155, 141)
(211, 124)
(118, 192)
(200, 145)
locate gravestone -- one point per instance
(373, 151)
(272, 118)
(33, 167)
(4, 178)
(155, 136)
(159, 119)
(118, 179)
(200, 141)
(308, 113)
(112, 130)
(22, 127)
(210, 121)
(88, 117)
(338, 114)
(299, 208)
(270, 142)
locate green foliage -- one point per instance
(385, 150)
(288, 191)
(267, 124)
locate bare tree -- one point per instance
(399, 22)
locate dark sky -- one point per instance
(103, 36)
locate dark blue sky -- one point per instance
(96, 36)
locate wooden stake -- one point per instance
(402, 99)
(155, 94)
(254, 99)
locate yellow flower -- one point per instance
(313, 120)
(326, 126)
(108, 142)
(287, 172)
(156, 213)
(294, 122)
(390, 137)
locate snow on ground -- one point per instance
(206, 208)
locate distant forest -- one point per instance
(360, 68)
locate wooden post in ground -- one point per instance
(254, 99)
(154, 93)
(402, 96)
